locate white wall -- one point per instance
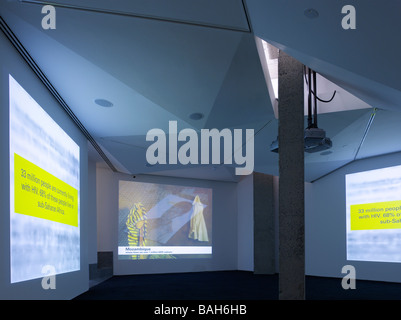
(224, 225)
(70, 284)
(245, 223)
(325, 234)
(92, 213)
(107, 208)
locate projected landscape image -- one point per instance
(373, 211)
(164, 221)
(44, 191)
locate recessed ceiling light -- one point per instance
(196, 116)
(311, 13)
(103, 103)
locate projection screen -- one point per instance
(373, 215)
(158, 221)
(44, 191)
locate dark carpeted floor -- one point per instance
(230, 285)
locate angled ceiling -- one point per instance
(160, 61)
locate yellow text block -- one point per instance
(377, 215)
(39, 194)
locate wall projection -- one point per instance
(44, 191)
(373, 201)
(158, 221)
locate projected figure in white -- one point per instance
(198, 230)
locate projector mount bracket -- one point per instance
(315, 139)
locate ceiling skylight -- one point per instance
(343, 100)
(271, 56)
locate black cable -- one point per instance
(321, 100)
(327, 100)
(309, 100)
(315, 101)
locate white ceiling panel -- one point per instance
(161, 60)
(228, 14)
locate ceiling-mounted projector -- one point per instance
(274, 146)
(315, 139)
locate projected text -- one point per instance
(42, 195)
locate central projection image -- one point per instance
(158, 221)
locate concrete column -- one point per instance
(291, 179)
(263, 226)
